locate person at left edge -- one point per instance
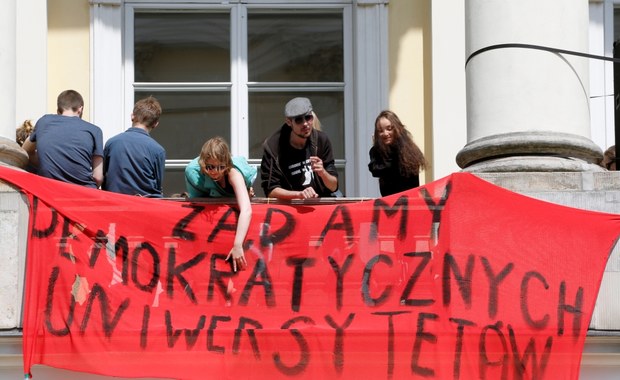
(65, 147)
(133, 161)
(22, 132)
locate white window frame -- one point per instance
(601, 32)
(131, 86)
(365, 61)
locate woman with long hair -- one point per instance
(394, 158)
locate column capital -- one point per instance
(530, 151)
(12, 154)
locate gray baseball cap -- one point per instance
(297, 107)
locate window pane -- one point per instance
(295, 46)
(182, 47)
(189, 119)
(342, 181)
(174, 182)
(266, 115)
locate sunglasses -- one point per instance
(210, 168)
(300, 119)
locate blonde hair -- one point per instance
(215, 148)
(317, 123)
(23, 132)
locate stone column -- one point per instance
(10, 152)
(527, 109)
(13, 206)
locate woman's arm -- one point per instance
(243, 223)
(97, 165)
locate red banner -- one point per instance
(458, 279)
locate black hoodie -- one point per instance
(275, 159)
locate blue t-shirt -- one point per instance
(65, 147)
(133, 163)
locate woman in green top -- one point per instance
(216, 174)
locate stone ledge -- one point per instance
(555, 181)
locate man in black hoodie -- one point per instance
(298, 162)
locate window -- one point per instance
(616, 78)
(229, 70)
(602, 38)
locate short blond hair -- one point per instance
(215, 148)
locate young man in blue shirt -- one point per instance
(133, 161)
(65, 147)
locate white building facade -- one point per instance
(228, 67)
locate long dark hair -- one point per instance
(410, 157)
